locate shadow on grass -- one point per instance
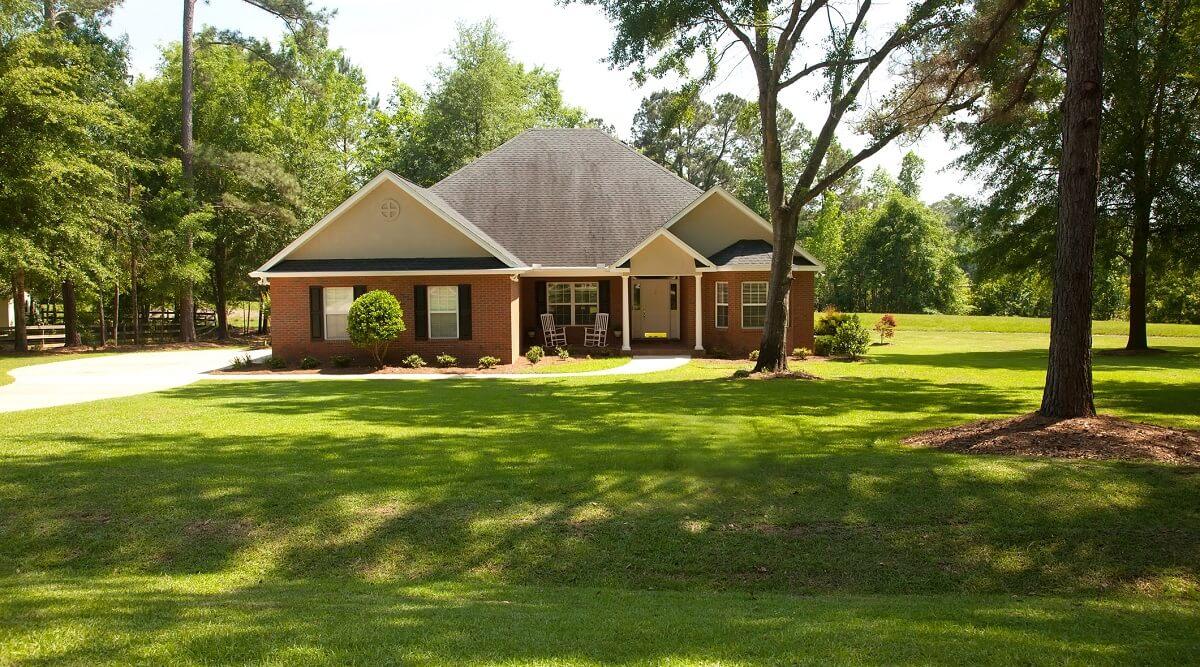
(792, 487)
(457, 624)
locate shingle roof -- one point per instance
(747, 252)
(389, 264)
(566, 197)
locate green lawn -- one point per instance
(1021, 324)
(673, 518)
(578, 365)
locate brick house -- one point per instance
(569, 222)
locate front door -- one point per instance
(655, 308)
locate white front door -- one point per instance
(653, 315)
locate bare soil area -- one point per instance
(1101, 437)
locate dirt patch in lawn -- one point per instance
(1100, 437)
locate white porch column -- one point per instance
(625, 313)
(699, 316)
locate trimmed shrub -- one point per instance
(446, 360)
(310, 362)
(277, 363)
(823, 345)
(340, 361)
(535, 354)
(375, 320)
(851, 339)
(829, 320)
(563, 353)
(741, 373)
(413, 361)
(801, 353)
(488, 362)
(753, 355)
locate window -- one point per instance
(573, 303)
(722, 305)
(443, 312)
(754, 305)
(337, 302)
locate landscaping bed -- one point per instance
(1101, 437)
(550, 364)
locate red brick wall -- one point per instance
(531, 322)
(493, 300)
(736, 340)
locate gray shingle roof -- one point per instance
(566, 197)
(749, 252)
(389, 264)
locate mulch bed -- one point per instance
(519, 365)
(1099, 437)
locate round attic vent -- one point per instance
(389, 209)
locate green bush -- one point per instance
(375, 320)
(801, 353)
(563, 353)
(446, 360)
(829, 320)
(741, 373)
(309, 362)
(851, 339)
(535, 354)
(753, 355)
(277, 363)
(823, 346)
(242, 362)
(340, 361)
(413, 361)
(488, 362)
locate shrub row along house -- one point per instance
(569, 222)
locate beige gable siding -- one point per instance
(361, 232)
(662, 257)
(714, 224)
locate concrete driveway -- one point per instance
(111, 376)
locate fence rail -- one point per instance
(158, 326)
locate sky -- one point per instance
(405, 40)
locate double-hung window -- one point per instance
(722, 300)
(573, 303)
(337, 302)
(754, 305)
(443, 312)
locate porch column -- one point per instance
(699, 317)
(625, 313)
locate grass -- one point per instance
(672, 518)
(578, 365)
(1000, 324)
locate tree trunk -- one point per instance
(772, 357)
(133, 297)
(262, 319)
(219, 289)
(1137, 275)
(187, 308)
(116, 314)
(20, 334)
(103, 323)
(70, 315)
(1068, 391)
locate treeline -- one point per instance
(100, 213)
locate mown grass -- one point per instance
(1001, 324)
(673, 518)
(578, 365)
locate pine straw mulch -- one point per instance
(1100, 437)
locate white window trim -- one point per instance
(717, 303)
(572, 303)
(325, 313)
(744, 303)
(429, 312)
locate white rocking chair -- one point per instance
(597, 335)
(555, 336)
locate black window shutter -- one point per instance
(359, 290)
(606, 298)
(316, 311)
(539, 297)
(464, 312)
(421, 311)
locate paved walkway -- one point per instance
(132, 373)
(636, 366)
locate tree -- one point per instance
(660, 38)
(374, 321)
(1068, 390)
(298, 17)
(912, 168)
